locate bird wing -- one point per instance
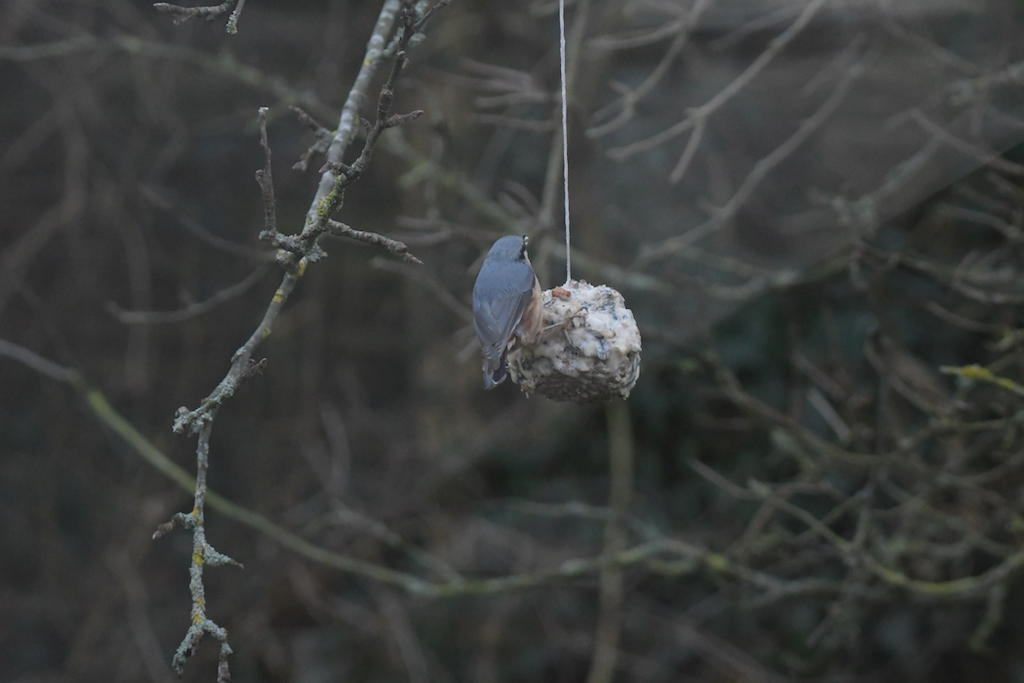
(498, 310)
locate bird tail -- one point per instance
(495, 371)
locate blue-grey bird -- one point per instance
(506, 305)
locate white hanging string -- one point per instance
(565, 135)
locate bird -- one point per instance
(506, 305)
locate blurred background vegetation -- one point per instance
(814, 210)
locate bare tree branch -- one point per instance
(182, 14)
(396, 17)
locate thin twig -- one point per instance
(182, 14)
(775, 47)
(982, 156)
(34, 361)
(322, 138)
(265, 176)
(200, 232)
(626, 103)
(400, 249)
(192, 310)
(761, 170)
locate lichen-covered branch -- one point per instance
(397, 19)
(182, 14)
(203, 555)
(400, 249)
